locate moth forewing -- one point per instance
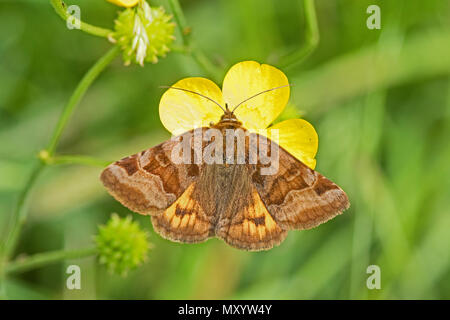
(268, 153)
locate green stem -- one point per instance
(42, 259)
(180, 49)
(311, 38)
(181, 21)
(20, 214)
(197, 54)
(61, 9)
(203, 61)
(78, 159)
(79, 92)
(17, 222)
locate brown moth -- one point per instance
(191, 202)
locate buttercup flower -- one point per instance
(144, 33)
(181, 111)
(122, 245)
(124, 3)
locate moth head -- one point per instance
(228, 116)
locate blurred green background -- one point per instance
(379, 100)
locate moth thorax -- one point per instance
(228, 120)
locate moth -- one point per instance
(232, 197)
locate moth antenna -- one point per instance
(255, 95)
(201, 95)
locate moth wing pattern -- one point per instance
(191, 202)
(246, 223)
(297, 196)
(149, 182)
(187, 219)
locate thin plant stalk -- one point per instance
(197, 54)
(20, 213)
(312, 38)
(79, 159)
(61, 9)
(42, 259)
(79, 92)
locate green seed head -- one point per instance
(122, 245)
(144, 33)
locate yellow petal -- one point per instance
(298, 137)
(248, 78)
(125, 3)
(181, 111)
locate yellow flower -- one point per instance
(181, 111)
(125, 3)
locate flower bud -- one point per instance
(122, 245)
(124, 3)
(144, 33)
